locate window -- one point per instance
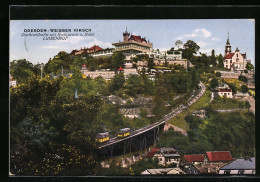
(160, 159)
(241, 171)
(227, 172)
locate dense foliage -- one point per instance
(233, 132)
(242, 78)
(46, 128)
(22, 70)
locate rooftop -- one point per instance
(152, 152)
(169, 152)
(194, 158)
(241, 164)
(163, 171)
(219, 156)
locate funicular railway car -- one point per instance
(123, 132)
(102, 137)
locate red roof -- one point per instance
(194, 158)
(74, 51)
(223, 156)
(95, 47)
(120, 69)
(136, 38)
(152, 152)
(84, 65)
(225, 90)
(229, 56)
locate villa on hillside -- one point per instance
(235, 61)
(222, 90)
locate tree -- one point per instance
(117, 82)
(22, 70)
(233, 87)
(213, 58)
(244, 89)
(178, 43)
(190, 48)
(213, 83)
(61, 60)
(134, 85)
(118, 59)
(41, 121)
(220, 61)
(249, 66)
(242, 78)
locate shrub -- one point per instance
(242, 78)
(218, 74)
(244, 89)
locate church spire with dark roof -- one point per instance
(228, 43)
(227, 47)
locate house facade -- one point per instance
(223, 92)
(167, 156)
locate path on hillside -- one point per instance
(230, 110)
(251, 101)
(191, 101)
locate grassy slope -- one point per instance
(229, 105)
(179, 119)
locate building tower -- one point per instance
(126, 35)
(227, 47)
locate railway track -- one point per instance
(166, 118)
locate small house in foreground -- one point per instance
(217, 156)
(239, 166)
(167, 156)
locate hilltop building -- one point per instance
(235, 61)
(132, 45)
(92, 49)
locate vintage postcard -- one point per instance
(132, 97)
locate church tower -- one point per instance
(126, 35)
(227, 47)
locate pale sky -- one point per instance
(208, 34)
